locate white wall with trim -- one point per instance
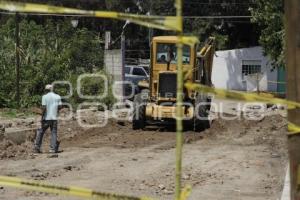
(227, 70)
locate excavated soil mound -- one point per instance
(270, 130)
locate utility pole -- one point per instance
(107, 40)
(17, 38)
(257, 82)
(150, 31)
(292, 17)
(123, 49)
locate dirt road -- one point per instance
(232, 160)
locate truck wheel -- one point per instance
(139, 110)
(201, 121)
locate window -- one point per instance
(138, 72)
(167, 52)
(146, 68)
(250, 67)
(127, 70)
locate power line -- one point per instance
(220, 3)
(217, 17)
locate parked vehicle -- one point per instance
(146, 68)
(134, 74)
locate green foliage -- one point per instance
(95, 86)
(90, 86)
(13, 113)
(9, 113)
(49, 52)
(229, 33)
(51, 49)
(268, 14)
(205, 28)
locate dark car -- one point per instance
(134, 74)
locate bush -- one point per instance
(89, 87)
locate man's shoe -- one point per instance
(35, 150)
(57, 146)
(52, 151)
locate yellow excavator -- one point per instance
(157, 101)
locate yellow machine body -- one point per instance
(161, 90)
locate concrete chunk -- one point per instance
(19, 136)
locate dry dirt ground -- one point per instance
(234, 160)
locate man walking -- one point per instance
(51, 103)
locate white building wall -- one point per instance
(227, 70)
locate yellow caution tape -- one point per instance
(185, 193)
(293, 129)
(298, 178)
(159, 22)
(189, 40)
(243, 96)
(62, 190)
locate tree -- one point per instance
(49, 52)
(268, 14)
(51, 49)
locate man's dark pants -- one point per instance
(41, 131)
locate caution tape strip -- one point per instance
(298, 178)
(189, 40)
(243, 96)
(159, 22)
(293, 129)
(62, 190)
(185, 193)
